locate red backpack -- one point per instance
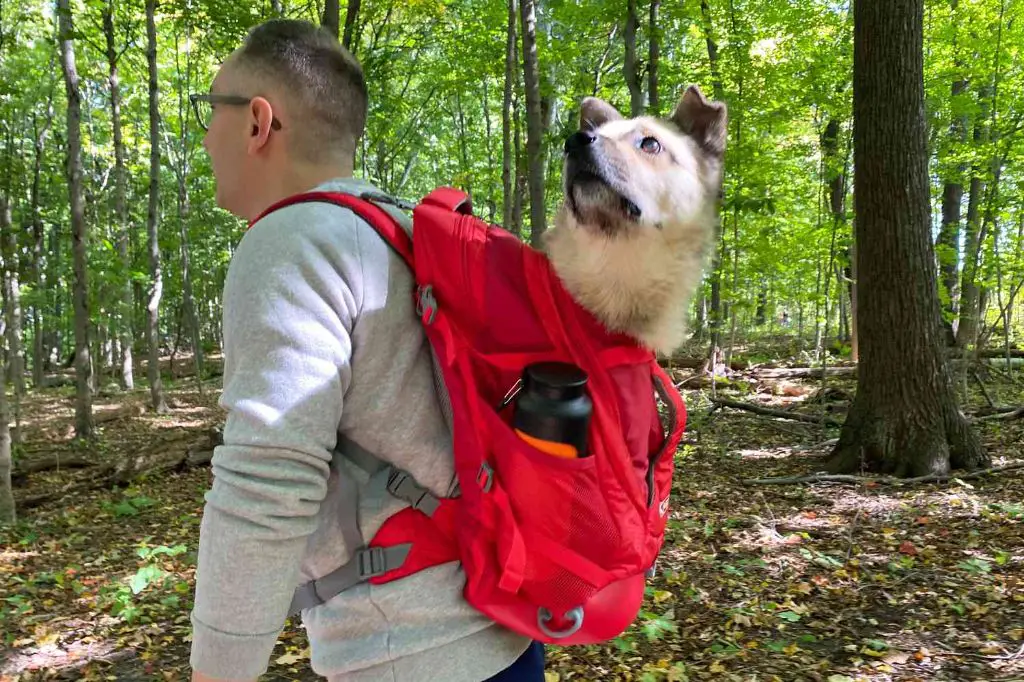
(556, 549)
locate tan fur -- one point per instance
(637, 275)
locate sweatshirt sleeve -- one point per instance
(291, 297)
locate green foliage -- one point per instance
(436, 73)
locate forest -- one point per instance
(849, 494)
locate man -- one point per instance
(323, 353)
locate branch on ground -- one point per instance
(769, 412)
(881, 480)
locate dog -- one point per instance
(636, 226)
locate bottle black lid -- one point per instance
(554, 380)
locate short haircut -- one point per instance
(323, 78)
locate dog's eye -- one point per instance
(650, 145)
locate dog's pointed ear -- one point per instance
(705, 121)
(595, 112)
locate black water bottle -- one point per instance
(552, 411)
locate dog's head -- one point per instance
(637, 225)
(623, 174)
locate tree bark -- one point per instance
(123, 228)
(534, 122)
(630, 68)
(905, 419)
(947, 247)
(79, 230)
(653, 55)
(970, 292)
(12, 297)
(8, 513)
(331, 20)
(351, 14)
(155, 272)
(507, 159)
(716, 314)
(39, 141)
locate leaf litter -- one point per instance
(814, 582)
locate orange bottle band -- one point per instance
(563, 450)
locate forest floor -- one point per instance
(830, 582)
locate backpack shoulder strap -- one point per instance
(390, 230)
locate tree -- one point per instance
(630, 67)
(507, 151)
(7, 509)
(331, 17)
(79, 230)
(905, 418)
(120, 199)
(534, 122)
(155, 272)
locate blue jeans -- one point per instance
(529, 667)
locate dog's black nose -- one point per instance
(578, 141)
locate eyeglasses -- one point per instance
(202, 107)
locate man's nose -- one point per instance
(578, 141)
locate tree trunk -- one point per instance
(905, 418)
(507, 159)
(351, 13)
(12, 298)
(630, 68)
(970, 292)
(7, 509)
(653, 55)
(79, 230)
(534, 122)
(155, 273)
(716, 314)
(277, 7)
(123, 228)
(38, 351)
(331, 20)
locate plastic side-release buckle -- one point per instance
(426, 304)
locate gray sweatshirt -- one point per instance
(321, 338)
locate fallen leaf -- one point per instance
(907, 547)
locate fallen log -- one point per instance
(804, 372)
(880, 480)
(769, 412)
(55, 461)
(129, 468)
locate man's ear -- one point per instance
(261, 116)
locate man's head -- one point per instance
(288, 108)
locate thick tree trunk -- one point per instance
(79, 230)
(905, 419)
(123, 229)
(534, 122)
(511, 79)
(653, 55)
(155, 273)
(630, 68)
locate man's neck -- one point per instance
(298, 179)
